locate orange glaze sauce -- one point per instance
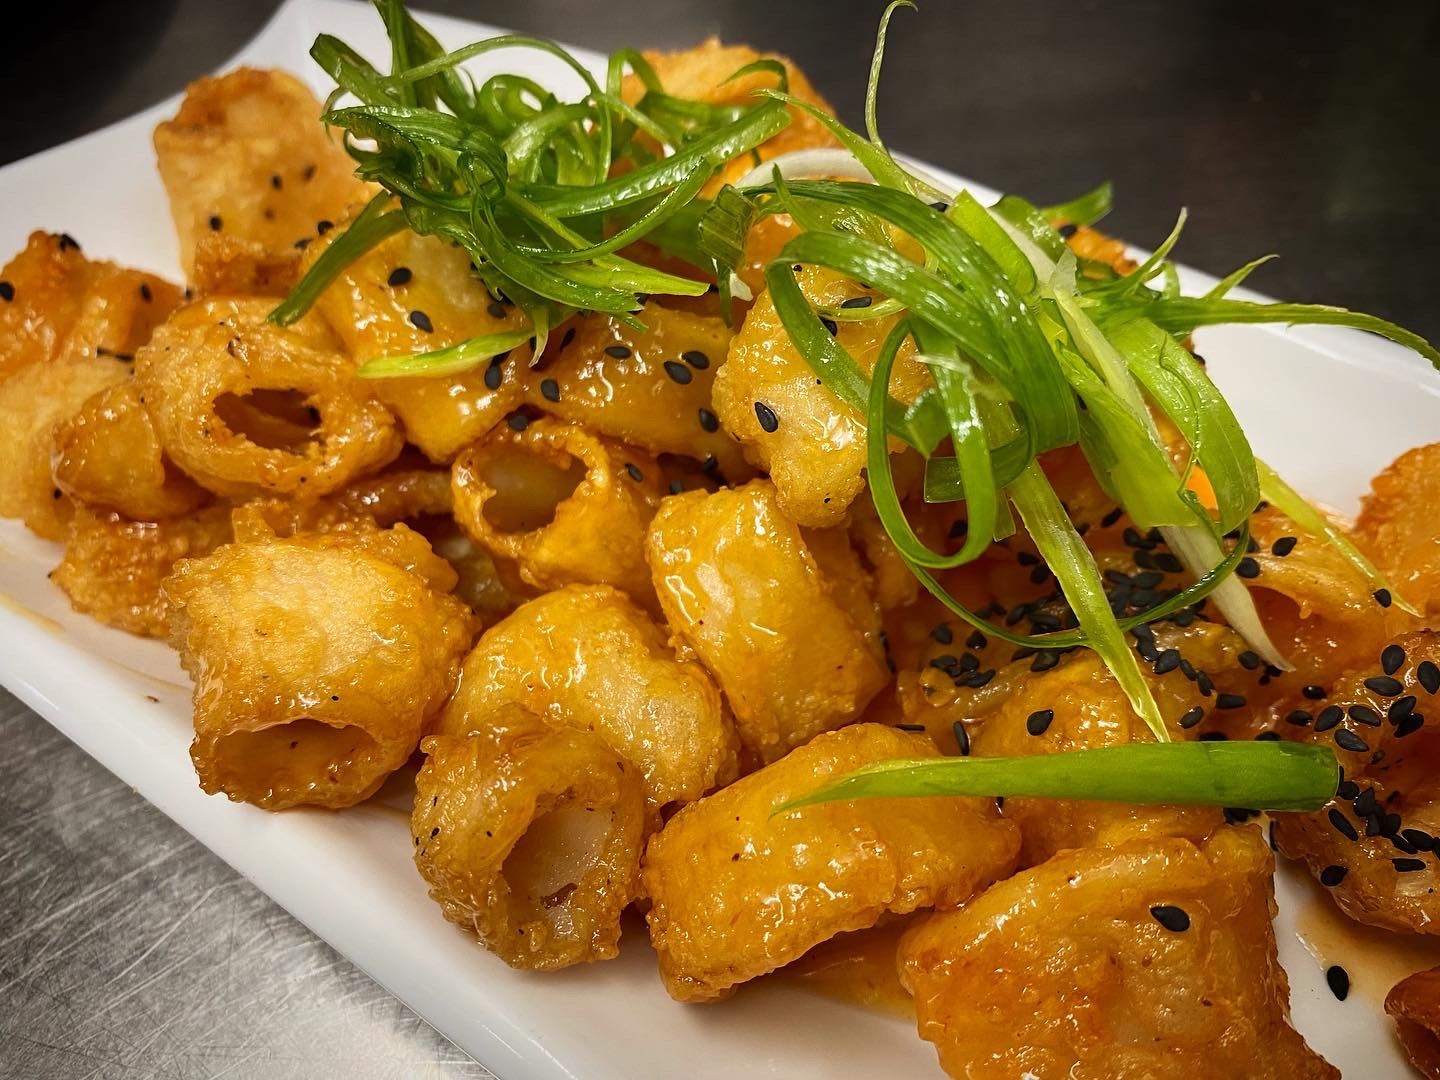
(1375, 959)
(857, 968)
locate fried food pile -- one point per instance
(623, 599)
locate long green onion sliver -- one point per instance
(1254, 775)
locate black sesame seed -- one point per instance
(940, 206)
(7, 291)
(1408, 725)
(1111, 518)
(1338, 979)
(619, 352)
(1342, 824)
(766, 415)
(1214, 736)
(549, 389)
(494, 374)
(708, 420)
(1248, 568)
(1401, 708)
(1298, 717)
(1332, 875)
(696, 359)
(634, 472)
(976, 640)
(1248, 660)
(962, 738)
(1419, 839)
(1230, 701)
(1329, 717)
(1203, 681)
(215, 223)
(1366, 803)
(858, 302)
(324, 225)
(1392, 658)
(676, 487)
(1383, 597)
(302, 243)
(496, 310)
(830, 325)
(401, 275)
(1067, 230)
(1167, 661)
(909, 727)
(1171, 918)
(1408, 866)
(518, 422)
(1268, 736)
(1045, 660)
(1363, 714)
(421, 321)
(1283, 546)
(943, 634)
(1316, 693)
(1429, 676)
(1385, 685)
(678, 372)
(1039, 721)
(1348, 740)
(1192, 716)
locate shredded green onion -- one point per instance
(1281, 776)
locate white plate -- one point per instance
(1326, 407)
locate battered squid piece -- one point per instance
(318, 661)
(565, 505)
(704, 73)
(246, 157)
(414, 294)
(529, 836)
(248, 408)
(766, 395)
(33, 400)
(1076, 706)
(586, 657)
(795, 651)
(54, 302)
(1415, 1004)
(649, 388)
(737, 893)
(113, 567)
(1398, 531)
(108, 455)
(1155, 959)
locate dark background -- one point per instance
(1307, 129)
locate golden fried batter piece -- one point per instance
(529, 837)
(108, 455)
(55, 302)
(33, 400)
(649, 388)
(1397, 530)
(564, 504)
(246, 157)
(747, 591)
(317, 661)
(1079, 705)
(1154, 960)
(738, 893)
(703, 73)
(229, 266)
(246, 408)
(586, 657)
(414, 294)
(1414, 1002)
(811, 443)
(113, 567)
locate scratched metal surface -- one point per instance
(128, 951)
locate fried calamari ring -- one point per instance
(33, 400)
(529, 836)
(1414, 1002)
(737, 893)
(795, 651)
(1151, 960)
(317, 661)
(108, 455)
(245, 407)
(113, 567)
(649, 388)
(587, 657)
(567, 506)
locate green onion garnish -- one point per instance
(1254, 775)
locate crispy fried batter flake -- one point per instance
(1415, 1004)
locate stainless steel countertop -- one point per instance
(129, 951)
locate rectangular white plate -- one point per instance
(1326, 407)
